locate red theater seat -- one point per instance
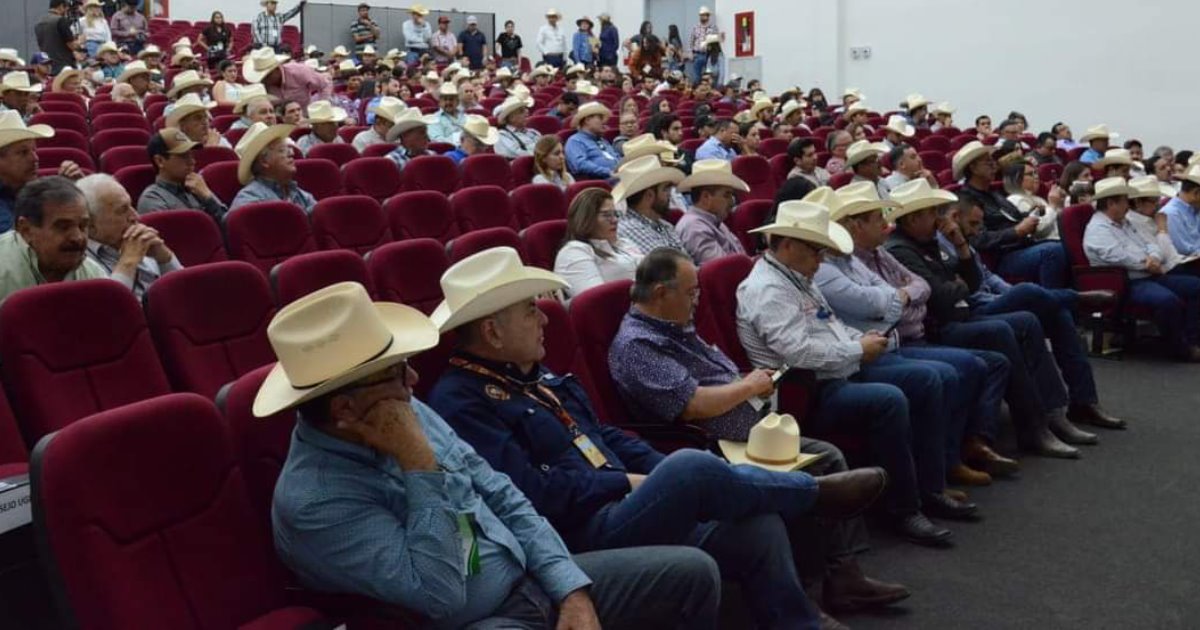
(484, 239)
(391, 268)
(105, 140)
(596, 316)
(222, 180)
(135, 179)
(266, 233)
(486, 169)
(421, 214)
(533, 203)
(542, 241)
(339, 154)
(353, 222)
(320, 178)
(756, 172)
(192, 235)
(298, 276)
(481, 207)
(430, 172)
(375, 177)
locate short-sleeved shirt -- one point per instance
(473, 45)
(19, 266)
(445, 40)
(510, 45)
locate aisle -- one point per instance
(1105, 542)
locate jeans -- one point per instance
(92, 46)
(1175, 300)
(817, 541)
(641, 587)
(699, 61)
(1045, 263)
(413, 56)
(733, 513)
(553, 60)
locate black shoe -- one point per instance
(941, 506)
(1095, 416)
(920, 530)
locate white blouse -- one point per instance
(579, 264)
(1047, 227)
(98, 32)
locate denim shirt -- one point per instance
(858, 295)
(712, 149)
(591, 156)
(1183, 224)
(7, 200)
(265, 190)
(347, 518)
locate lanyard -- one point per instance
(822, 310)
(538, 392)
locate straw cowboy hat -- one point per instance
(944, 109)
(791, 106)
(504, 73)
(1114, 157)
(510, 105)
(333, 337)
(252, 144)
(477, 127)
(13, 129)
(448, 89)
(898, 124)
(451, 69)
(249, 93)
(705, 11)
(969, 152)
(712, 38)
(176, 142)
(712, 173)
(853, 199)
(487, 282)
(853, 92)
(855, 107)
(647, 144)
(862, 150)
(553, 13)
(10, 55)
(150, 51)
(66, 73)
(260, 63)
(809, 222)
(1148, 186)
(774, 445)
(133, 70)
(1112, 187)
(916, 195)
(586, 88)
(587, 19)
(182, 54)
(1096, 133)
(109, 46)
(347, 66)
(407, 119)
(315, 65)
(185, 80)
(761, 104)
(19, 81)
(369, 50)
(187, 105)
(390, 108)
(92, 3)
(541, 71)
(324, 112)
(1192, 174)
(521, 91)
(182, 42)
(419, 9)
(575, 69)
(915, 101)
(312, 48)
(743, 117)
(339, 51)
(588, 110)
(642, 173)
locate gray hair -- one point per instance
(92, 187)
(832, 139)
(35, 195)
(660, 266)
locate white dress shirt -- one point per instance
(551, 40)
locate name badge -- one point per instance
(589, 450)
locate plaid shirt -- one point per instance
(268, 29)
(699, 32)
(648, 234)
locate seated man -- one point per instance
(721, 145)
(448, 121)
(702, 228)
(862, 158)
(1183, 213)
(1097, 139)
(898, 131)
(983, 128)
(645, 187)
(131, 253)
(323, 119)
(803, 152)
(19, 162)
(599, 487)
(1115, 163)
(897, 405)
(386, 113)
(906, 166)
(191, 116)
(1008, 233)
(666, 373)
(1149, 223)
(267, 170)
(1046, 151)
(1173, 297)
(16, 94)
(589, 155)
(567, 105)
(437, 531)
(255, 106)
(177, 186)
(477, 137)
(410, 133)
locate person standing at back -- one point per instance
(56, 37)
(268, 26)
(472, 43)
(363, 29)
(698, 45)
(508, 46)
(552, 41)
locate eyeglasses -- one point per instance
(608, 215)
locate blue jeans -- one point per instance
(413, 57)
(732, 512)
(1175, 300)
(1044, 263)
(699, 61)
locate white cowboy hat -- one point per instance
(133, 70)
(705, 11)
(575, 69)
(809, 222)
(182, 42)
(589, 109)
(451, 69)
(315, 65)
(862, 150)
(257, 137)
(1112, 187)
(477, 127)
(510, 105)
(10, 55)
(19, 81)
(150, 51)
(185, 80)
(310, 49)
(13, 129)
(855, 107)
(1192, 174)
(761, 104)
(186, 105)
(1096, 133)
(774, 445)
(369, 50)
(791, 106)
(65, 73)
(1148, 187)
(92, 3)
(324, 112)
(898, 124)
(460, 76)
(390, 108)
(109, 46)
(347, 66)
(260, 63)
(713, 38)
(854, 92)
(552, 12)
(943, 108)
(521, 91)
(646, 144)
(419, 9)
(447, 90)
(853, 199)
(393, 54)
(407, 119)
(915, 101)
(432, 75)
(915, 195)
(969, 152)
(249, 93)
(712, 173)
(181, 54)
(504, 73)
(1114, 157)
(642, 173)
(487, 282)
(339, 51)
(541, 71)
(586, 88)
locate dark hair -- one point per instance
(796, 147)
(224, 65)
(1056, 127)
(54, 4)
(965, 204)
(1070, 173)
(981, 117)
(897, 153)
(570, 98)
(744, 128)
(793, 188)
(1183, 157)
(1188, 186)
(1102, 204)
(1151, 163)
(704, 121)
(1133, 142)
(1045, 135)
(1008, 122)
(35, 195)
(659, 124)
(157, 146)
(721, 124)
(660, 266)
(1016, 115)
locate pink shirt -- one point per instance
(300, 83)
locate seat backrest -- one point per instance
(62, 120)
(348, 133)
(109, 138)
(542, 241)
(841, 179)
(210, 324)
(375, 177)
(935, 161)
(563, 353)
(574, 189)
(1072, 224)
(12, 446)
(53, 157)
(538, 202)
(321, 178)
(781, 165)
(212, 155)
(719, 280)
(522, 170)
(63, 138)
(596, 315)
(378, 150)
(421, 214)
(544, 124)
(298, 276)
(747, 216)
(120, 121)
(771, 147)
(487, 169)
(482, 207)
(353, 222)
(54, 379)
(100, 108)
(480, 240)
(193, 236)
(118, 158)
(135, 179)
(166, 539)
(391, 267)
(339, 153)
(430, 172)
(266, 233)
(756, 172)
(222, 180)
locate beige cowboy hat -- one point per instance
(856, 107)
(790, 107)
(451, 69)
(705, 11)
(315, 64)
(915, 101)
(1096, 133)
(92, 3)
(711, 38)
(504, 73)
(369, 50)
(390, 108)
(915, 195)
(460, 76)
(310, 49)
(66, 73)
(185, 80)
(19, 81)
(743, 117)
(853, 92)
(182, 42)
(1148, 187)
(809, 222)
(150, 51)
(13, 129)
(187, 105)
(969, 152)
(511, 105)
(1112, 187)
(257, 137)
(761, 104)
(553, 13)
(10, 55)
(541, 71)
(646, 144)
(393, 54)
(1192, 174)
(862, 150)
(521, 91)
(432, 77)
(642, 173)
(589, 109)
(324, 112)
(586, 88)
(249, 93)
(409, 118)
(1114, 157)
(339, 51)
(487, 282)
(856, 198)
(348, 66)
(133, 70)
(712, 173)
(260, 63)
(333, 337)
(477, 127)
(181, 54)
(419, 9)
(574, 69)
(898, 124)
(943, 109)
(109, 46)
(447, 90)
(774, 445)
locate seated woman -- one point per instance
(837, 143)
(1021, 182)
(228, 90)
(550, 164)
(751, 133)
(592, 254)
(1076, 181)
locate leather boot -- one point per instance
(1068, 432)
(847, 589)
(977, 454)
(1041, 441)
(847, 494)
(964, 475)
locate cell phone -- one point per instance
(783, 369)
(888, 332)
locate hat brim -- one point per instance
(874, 152)
(188, 84)
(532, 283)
(937, 197)
(399, 129)
(652, 150)
(661, 175)
(56, 84)
(861, 207)
(503, 114)
(588, 91)
(339, 115)
(129, 74)
(837, 238)
(581, 115)
(957, 166)
(490, 139)
(735, 452)
(32, 132)
(1107, 162)
(908, 131)
(256, 146)
(701, 180)
(1088, 137)
(183, 111)
(254, 75)
(1115, 191)
(33, 89)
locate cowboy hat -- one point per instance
(1112, 187)
(182, 42)
(92, 3)
(419, 9)
(712, 173)
(862, 150)
(65, 73)
(743, 117)
(487, 282)
(504, 73)
(109, 46)
(339, 51)
(899, 124)
(855, 107)
(1148, 187)
(646, 144)
(969, 152)
(460, 76)
(589, 109)
(312, 48)
(1114, 157)
(333, 337)
(185, 80)
(1096, 133)
(257, 137)
(541, 71)
(791, 106)
(943, 109)
(13, 129)
(510, 105)
(586, 88)
(774, 445)
(857, 198)
(249, 93)
(642, 173)
(260, 63)
(1192, 174)
(347, 65)
(408, 119)
(324, 112)
(10, 55)
(712, 38)
(853, 92)
(574, 69)
(552, 13)
(186, 105)
(390, 108)
(369, 50)
(585, 19)
(477, 127)
(451, 69)
(809, 222)
(182, 54)
(18, 81)
(520, 91)
(432, 75)
(447, 90)
(705, 11)
(173, 142)
(915, 101)
(915, 195)
(393, 54)
(150, 51)
(761, 104)
(316, 65)
(132, 70)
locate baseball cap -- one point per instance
(169, 141)
(471, 19)
(39, 59)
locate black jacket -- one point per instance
(1000, 218)
(952, 279)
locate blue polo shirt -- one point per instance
(473, 45)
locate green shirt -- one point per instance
(19, 268)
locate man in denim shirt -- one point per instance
(589, 155)
(267, 170)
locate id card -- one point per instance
(470, 544)
(589, 450)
